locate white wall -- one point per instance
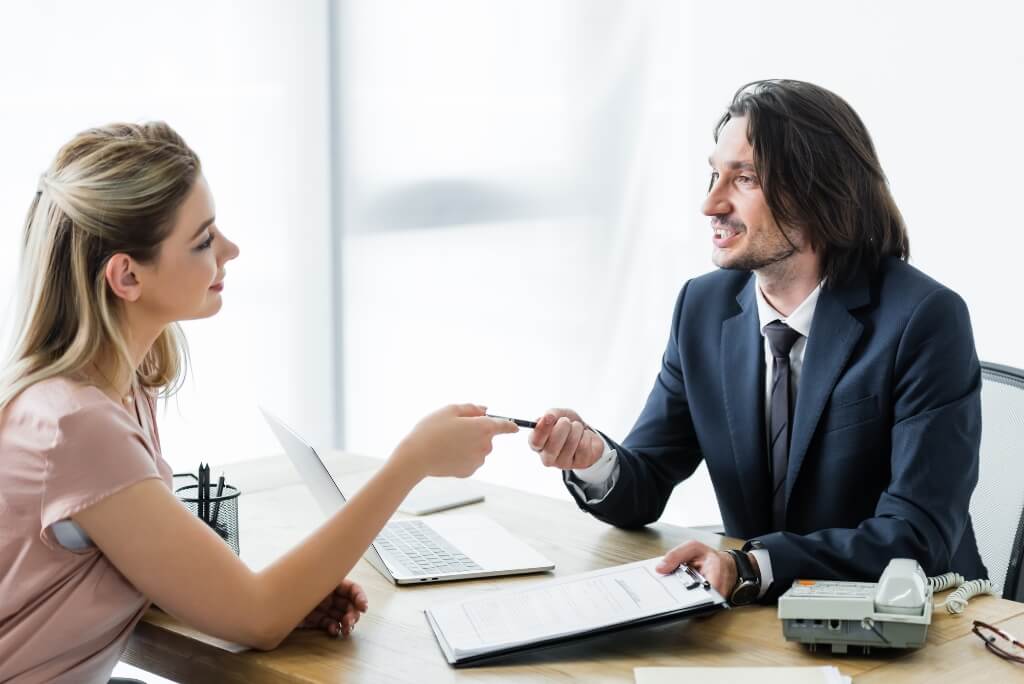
(938, 86)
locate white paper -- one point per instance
(728, 675)
(564, 606)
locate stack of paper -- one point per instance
(728, 675)
(566, 608)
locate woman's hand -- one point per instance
(452, 441)
(338, 613)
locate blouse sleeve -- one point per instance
(98, 451)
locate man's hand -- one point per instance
(564, 441)
(718, 567)
(338, 613)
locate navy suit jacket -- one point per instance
(886, 428)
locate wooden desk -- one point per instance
(393, 643)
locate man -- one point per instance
(832, 389)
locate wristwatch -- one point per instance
(748, 582)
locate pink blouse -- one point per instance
(66, 615)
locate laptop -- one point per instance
(440, 549)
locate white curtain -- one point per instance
(245, 84)
(515, 233)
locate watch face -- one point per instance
(745, 593)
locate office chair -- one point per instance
(997, 507)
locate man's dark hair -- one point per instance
(819, 172)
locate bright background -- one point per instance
(496, 200)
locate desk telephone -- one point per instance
(893, 613)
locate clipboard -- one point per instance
(495, 624)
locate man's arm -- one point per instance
(936, 436)
(660, 451)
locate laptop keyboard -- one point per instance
(422, 550)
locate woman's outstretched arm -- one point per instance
(184, 566)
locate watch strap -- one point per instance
(744, 568)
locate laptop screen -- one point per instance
(314, 473)
(316, 476)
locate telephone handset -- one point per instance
(892, 613)
(902, 589)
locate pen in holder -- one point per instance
(215, 503)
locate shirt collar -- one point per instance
(801, 318)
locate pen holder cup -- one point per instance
(220, 513)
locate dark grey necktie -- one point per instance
(781, 339)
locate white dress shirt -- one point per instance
(594, 483)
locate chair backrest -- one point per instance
(998, 501)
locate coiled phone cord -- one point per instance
(956, 602)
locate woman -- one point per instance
(120, 243)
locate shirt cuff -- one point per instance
(764, 565)
(594, 483)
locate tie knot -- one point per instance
(781, 338)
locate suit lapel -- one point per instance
(742, 371)
(834, 334)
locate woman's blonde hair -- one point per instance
(110, 190)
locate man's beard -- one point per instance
(761, 255)
(760, 260)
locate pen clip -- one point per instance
(698, 579)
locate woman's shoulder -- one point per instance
(52, 402)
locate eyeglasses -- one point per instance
(999, 642)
